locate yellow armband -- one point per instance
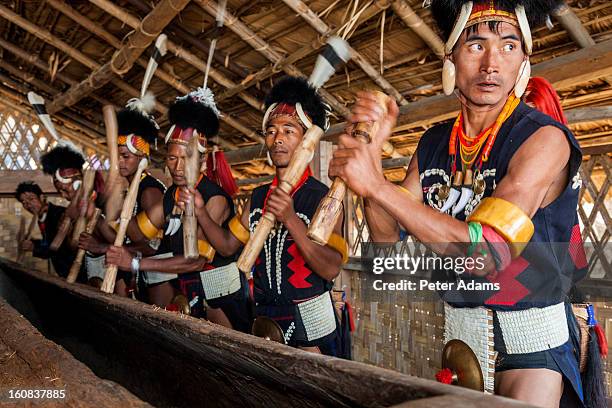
(114, 225)
(238, 230)
(338, 244)
(508, 220)
(206, 250)
(145, 225)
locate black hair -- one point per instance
(27, 187)
(131, 121)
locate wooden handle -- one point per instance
(326, 216)
(330, 208)
(108, 284)
(300, 159)
(21, 237)
(79, 226)
(190, 222)
(62, 231)
(78, 261)
(112, 204)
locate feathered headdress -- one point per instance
(447, 12)
(293, 96)
(137, 128)
(195, 111)
(65, 155)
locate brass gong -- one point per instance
(182, 304)
(268, 329)
(461, 360)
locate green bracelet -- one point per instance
(475, 231)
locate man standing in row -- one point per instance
(293, 276)
(480, 187)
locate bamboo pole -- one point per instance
(322, 28)
(124, 58)
(420, 28)
(78, 260)
(577, 32)
(127, 212)
(196, 62)
(572, 24)
(75, 54)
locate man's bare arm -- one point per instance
(382, 226)
(529, 183)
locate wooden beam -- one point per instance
(195, 61)
(219, 55)
(577, 32)
(124, 58)
(304, 51)
(420, 28)
(220, 360)
(572, 24)
(9, 179)
(73, 53)
(590, 114)
(322, 28)
(38, 63)
(261, 46)
(30, 82)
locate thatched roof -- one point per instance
(51, 46)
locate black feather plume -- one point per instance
(445, 12)
(62, 156)
(186, 113)
(291, 90)
(131, 121)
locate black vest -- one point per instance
(281, 275)
(547, 268)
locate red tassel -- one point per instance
(445, 376)
(171, 307)
(219, 171)
(601, 340)
(350, 316)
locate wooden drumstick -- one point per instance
(22, 237)
(78, 261)
(62, 231)
(108, 285)
(190, 222)
(113, 181)
(297, 165)
(88, 184)
(330, 207)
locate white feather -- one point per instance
(204, 96)
(145, 104)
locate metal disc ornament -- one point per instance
(268, 329)
(458, 357)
